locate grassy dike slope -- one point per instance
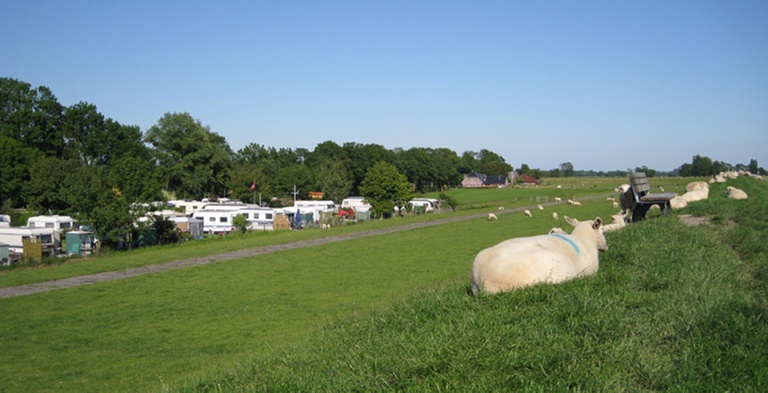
(149, 332)
(673, 307)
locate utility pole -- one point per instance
(295, 191)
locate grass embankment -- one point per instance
(147, 332)
(672, 308)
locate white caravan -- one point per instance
(14, 238)
(216, 221)
(358, 203)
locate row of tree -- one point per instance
(73, 160)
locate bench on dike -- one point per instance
(643, 199)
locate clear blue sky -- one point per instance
(601, 84)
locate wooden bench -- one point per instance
(643, 199)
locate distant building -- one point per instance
(476, 180)
(527, 180)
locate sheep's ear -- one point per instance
(571, 221)
(597, 223)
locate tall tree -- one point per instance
(447, 164)
(333, 180)
(566, 169)
(195, 160)
(15, 161)
(493, 164)
(295, 177)
(753, 168)
(419, 167)
(247, 182)
(384, 188)
(31, 116)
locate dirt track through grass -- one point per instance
(29, 289)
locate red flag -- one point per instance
(253, 186)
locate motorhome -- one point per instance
(427, 204)
(216, 221)
(188, 206)
(357, 203)
(259, 219)
(59, 224)
(324, 205)
(14, 237)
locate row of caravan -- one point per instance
(44, 235)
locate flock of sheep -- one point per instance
(559, 256)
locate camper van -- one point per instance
(425, 204)
(357, 203)
(189, 207)
(5, 221)
(259, 219)
(314, 204)
(59, 224)
(216, 221)
(14, 238)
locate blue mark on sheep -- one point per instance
(575, 247)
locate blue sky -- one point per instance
(601, 84)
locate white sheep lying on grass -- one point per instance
(619, 221)
(696, 195)
(735, 193)
(696, 185)
(554, 216)
(678, 202)
(520, 262)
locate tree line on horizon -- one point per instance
(74, 160)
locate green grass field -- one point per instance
(392, 312)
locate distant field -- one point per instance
(168, 329)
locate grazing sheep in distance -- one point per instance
(520, 262)
(557, 230)
(492, 217)
(735, 193)
(558, 199)
(554, 216)
(615, 205)
(501, 208)
(575, 203)
(540, 207)
(527, 213)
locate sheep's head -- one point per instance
(589, 230)
(619, 217)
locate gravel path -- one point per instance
(29, 289)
